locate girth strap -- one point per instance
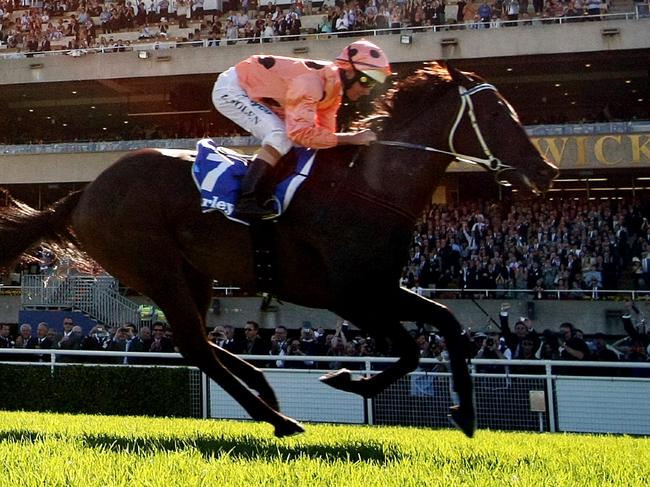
(264, 256)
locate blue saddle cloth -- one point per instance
(217, 173)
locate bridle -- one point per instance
(490, 162)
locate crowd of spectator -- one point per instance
(524, 341)
(85, 24)
(563, 248)
(528, 249)
(284, 347)
(126, 338)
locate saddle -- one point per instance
(217, 172)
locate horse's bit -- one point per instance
(490, 162)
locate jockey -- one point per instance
(285, 101)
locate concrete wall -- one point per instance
(590, 316)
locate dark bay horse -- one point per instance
(340, 246)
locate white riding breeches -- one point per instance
(233, 102)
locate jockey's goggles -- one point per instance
(365, 81)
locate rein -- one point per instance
(490, 162)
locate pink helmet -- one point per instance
(367, 58)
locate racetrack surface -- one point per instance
(46, 449)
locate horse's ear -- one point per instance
(457, 75)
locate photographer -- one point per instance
(279, 346)
(294, 348)
(549, 348)
(603, 353)
(492, 349)
(216, 335)
(571, 346)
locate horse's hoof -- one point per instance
(339, 379)
(463, 419)
(289, 427)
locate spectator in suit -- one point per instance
(6, 341)
(71, 339)
(574, 348)
(308, 343)
(279, 345)
(549, 347)
(216, 335)
(160, 342)
(134, 343)
(140, 341)
(527, 348)
(639, 341)
(96, 339)
(119, 343)
(639, 333)
(25, 339)
(523, 330)
(493, 349)
(43, 341)
(253, 344)
(145, 337)
(602, 351)
(229, 343)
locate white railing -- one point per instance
(161, 46)
(546, 294)
(433, 292)
(97, 296)
(603, 397)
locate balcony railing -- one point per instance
(162, 45)
(97, 296)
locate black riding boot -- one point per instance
(247, 206)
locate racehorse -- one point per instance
(340, 246)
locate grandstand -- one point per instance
(557, 73)
(579, 83)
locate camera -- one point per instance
(489, 342)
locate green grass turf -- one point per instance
(43, 449)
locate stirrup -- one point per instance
(248, 208)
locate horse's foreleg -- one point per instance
(200, 286)
(417, 308)
(249, 374)
(189, 336)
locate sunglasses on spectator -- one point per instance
(158, 329)
(248, 329)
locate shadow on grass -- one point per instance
(245, 447)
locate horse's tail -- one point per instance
(21, 227)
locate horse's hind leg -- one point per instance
(417, 308)
(403, 345)
(411, 307)
(176, 299)
(201, 288)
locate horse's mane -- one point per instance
(404, 99)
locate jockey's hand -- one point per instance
(364, 137)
